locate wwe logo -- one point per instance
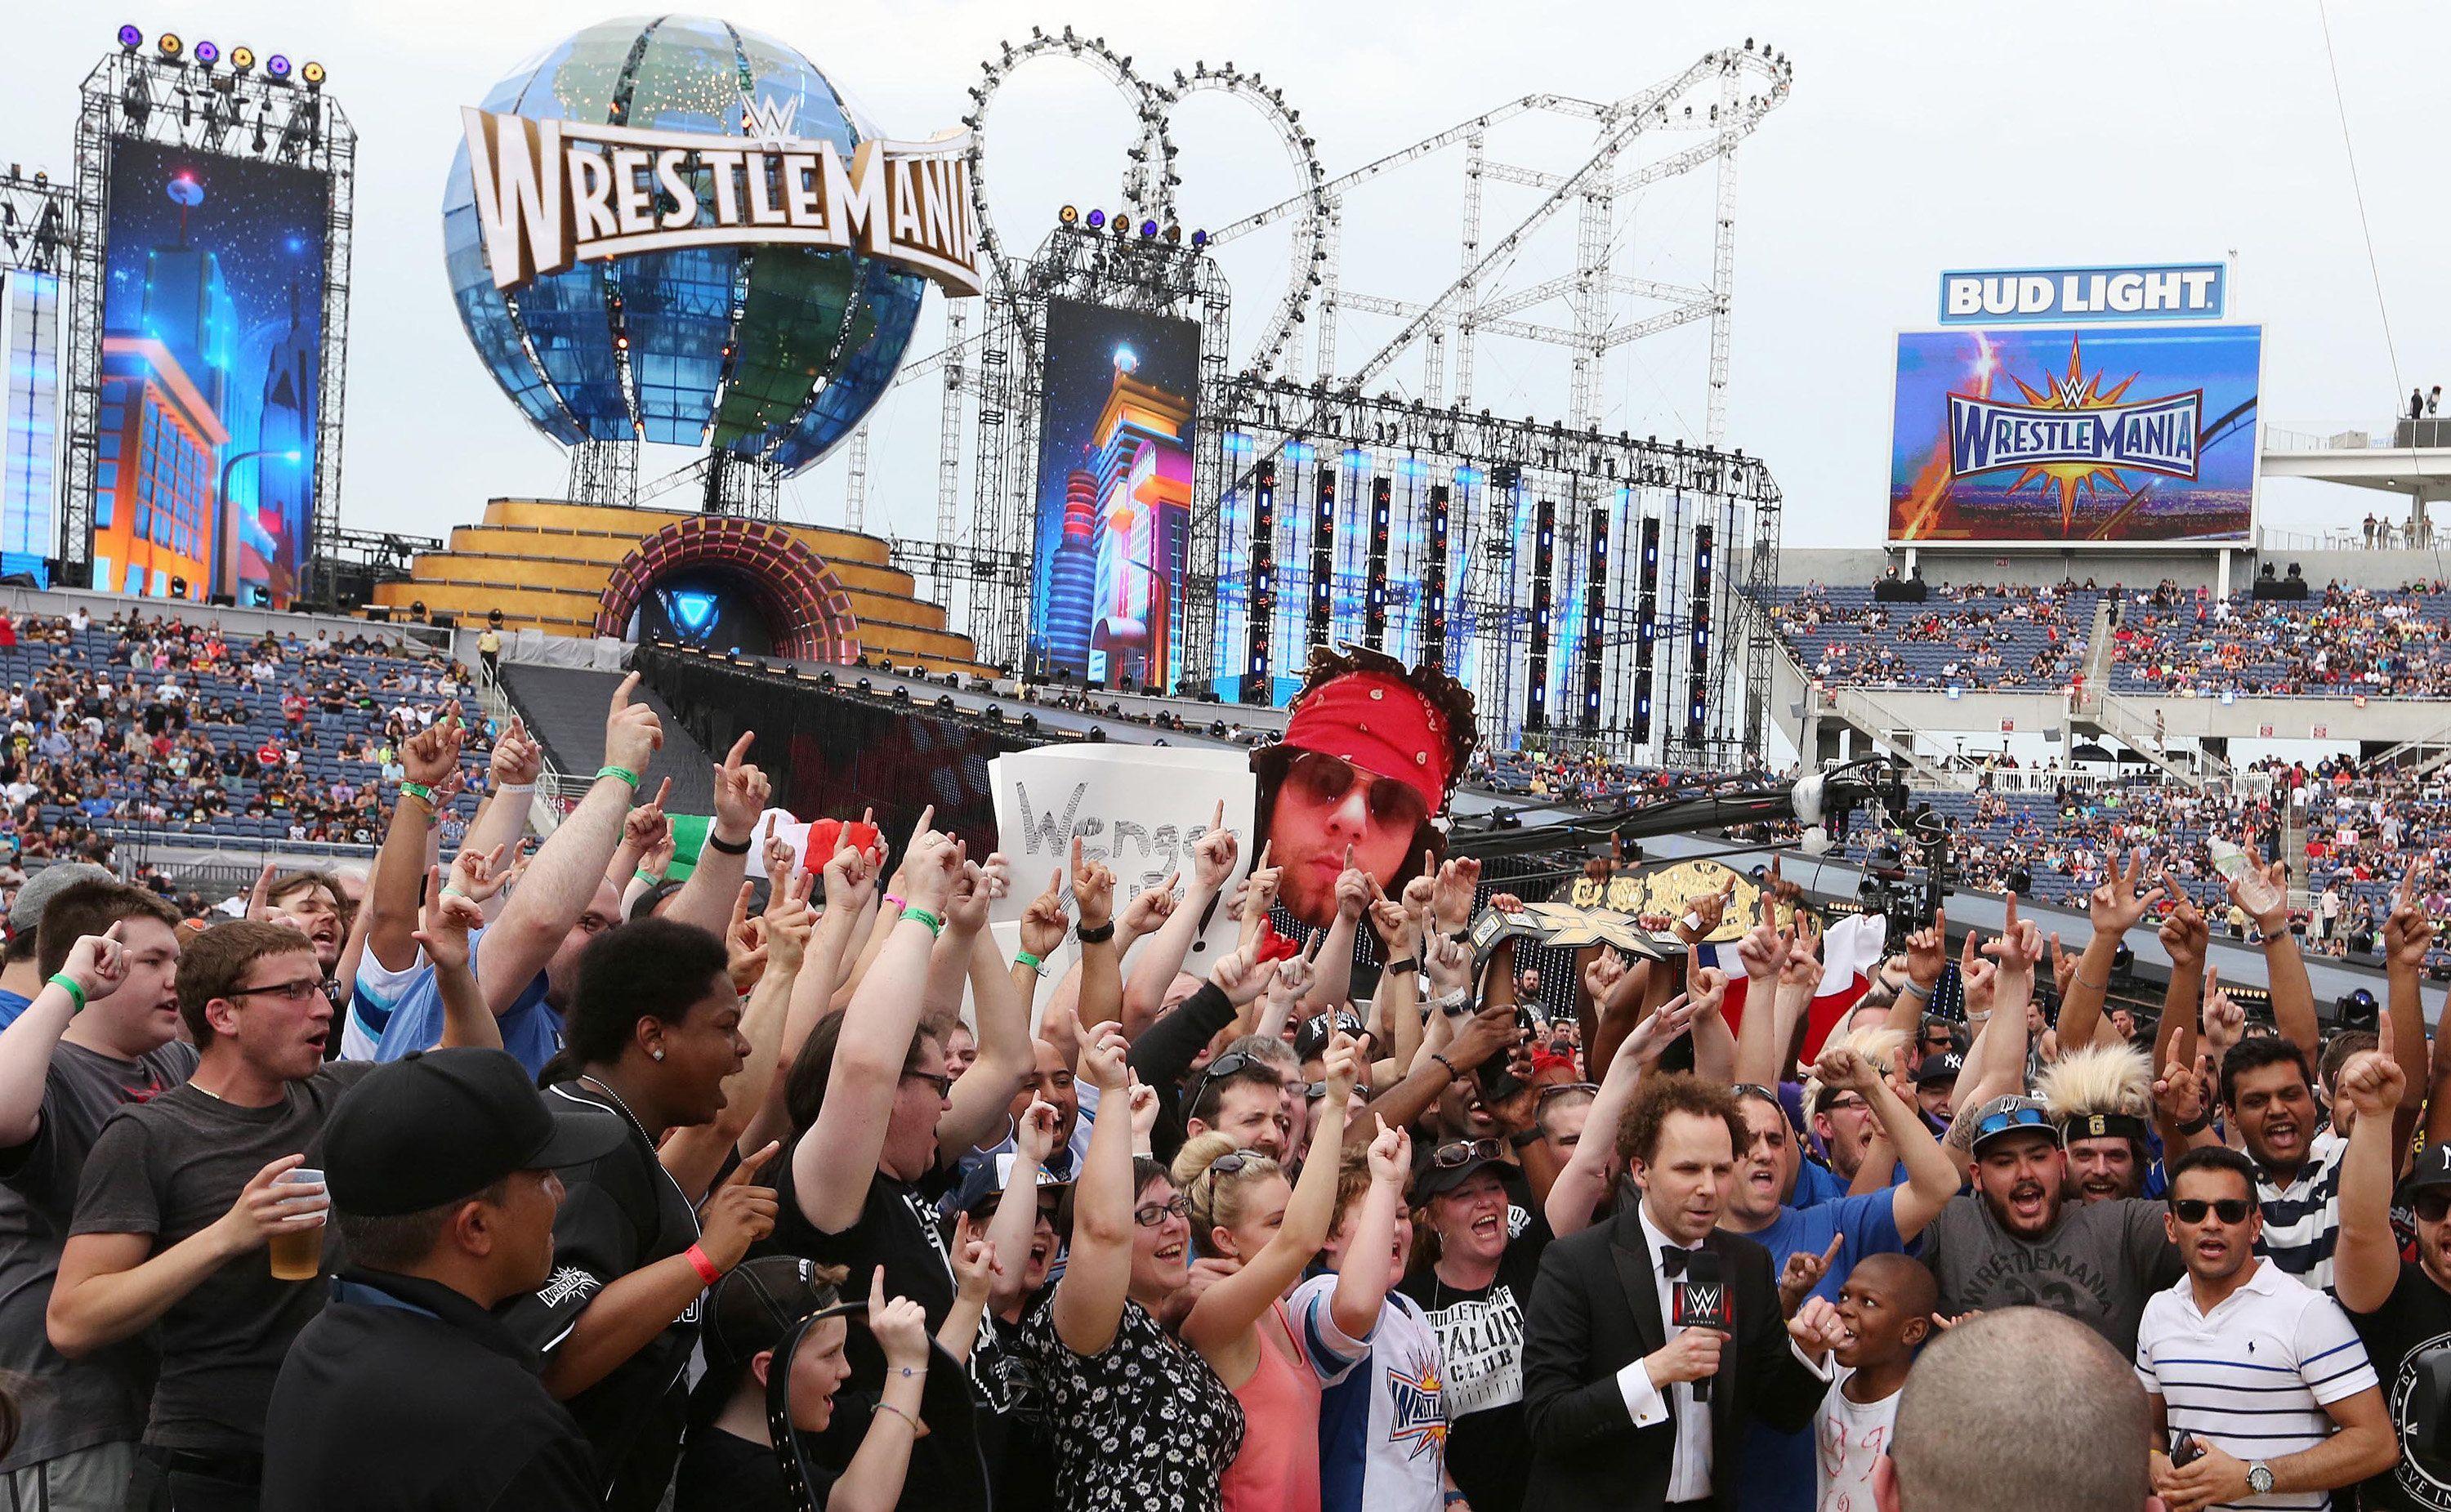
(767, 120)
(1703, 1305)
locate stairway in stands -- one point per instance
(564, 707)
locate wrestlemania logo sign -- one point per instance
(550, 194)
(2075, 435)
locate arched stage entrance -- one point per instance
(801, 600)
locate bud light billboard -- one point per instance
(1113, 522)
(2126, 436)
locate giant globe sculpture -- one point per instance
(772, 353)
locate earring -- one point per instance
(656, 1054)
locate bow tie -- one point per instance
(1672, 1260)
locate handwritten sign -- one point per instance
(1138, 809)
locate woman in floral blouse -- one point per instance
(1139, 1422)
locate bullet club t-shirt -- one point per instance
(1480, 1347)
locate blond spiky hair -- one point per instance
(2098, 1078)
(1882, 1047)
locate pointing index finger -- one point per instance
(621, 693)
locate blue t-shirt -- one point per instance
(10, 1006)
(531, 1030)
(1815, 1184)
(1775, 1474)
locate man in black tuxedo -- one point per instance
(1609, 1381)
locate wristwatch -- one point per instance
(2259, 1478)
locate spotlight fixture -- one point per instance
(132, 37)
(242, 58)
(207, 53)
(1069, 214)
(1097, 219)
(1200, 238)
(1148, 229)
(313, 74)
(168, 45)
(277, 65)
(1174, 233)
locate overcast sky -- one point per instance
(1919, 136)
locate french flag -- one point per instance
(1851, 950)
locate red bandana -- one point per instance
(1382, 724)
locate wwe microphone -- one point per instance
(1701, 1300)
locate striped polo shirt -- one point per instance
(2301, 1220)
(2253, 1376)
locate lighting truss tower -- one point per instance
(171, 98)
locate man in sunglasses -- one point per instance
(2401, 1308)
(2265, 1376)
(2016, 1243)
(1369, 754)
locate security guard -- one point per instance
(404, 1394)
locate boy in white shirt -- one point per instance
(1883, 1316)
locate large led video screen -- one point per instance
(2135, 434)
(212, 345)
(1114, 496)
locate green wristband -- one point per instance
(76, 994)
(417, 791)
(1026, 958)
(935, 925)
(647, 876)
(609, 770)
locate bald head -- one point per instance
(1904, 1280)
(1952, 1448)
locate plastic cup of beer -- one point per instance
(298, 1253)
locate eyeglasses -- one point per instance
(1232, 1161)
(2433, 1205)
(1315, 1091)
(1755, 1090)
(1325, 778)
(2001, 1123)
(2229, 1209)
(1464, 1152)
(1555, 1087)
(297, 992)
(943, 1083)
(1845, 1102)
(1156, 1213)
(1222, 1066)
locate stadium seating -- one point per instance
(2006, 637)
(125, 767)
(2345, 642)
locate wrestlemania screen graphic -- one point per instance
(213, 335)
(1114, 494)
(2029, 434)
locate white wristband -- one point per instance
(515, 787)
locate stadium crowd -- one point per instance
(539, 1181)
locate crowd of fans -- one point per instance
(831, 1198)
(1991, 638)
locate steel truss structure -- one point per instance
(1482, 616)
(178, 102)
(996, 373)
(37, 223)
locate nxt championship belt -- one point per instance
(1567, 927)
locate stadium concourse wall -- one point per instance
(1946, 564)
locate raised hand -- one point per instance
(1241, 978)
(1354, 889)
(850, 873)
(1651, 1038)
(1844, 1069)
(2020, 943)
(2115, 907)
(1708, 911)
(2263, 893)
(517, 759)
(633, 735)
(1451, 899)
(646, 827)
(2407, 933)
(1607, 969)
(1151, 907)
(1928, 953)
(2062, 968)
(451, 915)
(1391, 1154)
(1802, 967)
(789, 921)
(1449, 963)
(2372, 1082)
(982, 883)
(1144, 1104)
(1490, 1030)
(1977, 974)
(1816, 1328)
(973, 1257)
(2224, 1020)
(2184, 933)
(741, 793)
(1260, 888)
(1033, 1132)
(738, 1214)
(477, 875)
(778, 853)
(899, 1327)
(1213, 856)
(1093, 889)
(1341, 1063)
(1102, 1061)
(744, 941)
(433, 754)
(929, 869)
(97, 963)
(1043, 923)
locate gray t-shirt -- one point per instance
(68, 1405)
(2098, 1265)
(170, 1169)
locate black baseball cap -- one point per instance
(757, 1301)
(1310, 1040)
(2432, 1168)
(1451, 1165)
(442, 1124)
(1945, 1067)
